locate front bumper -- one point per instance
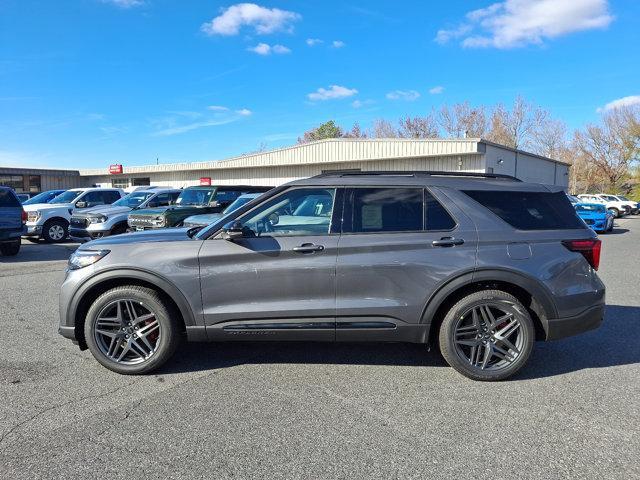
(33, 231)
(83, 235)
(590, 319)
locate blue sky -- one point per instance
(88, 83)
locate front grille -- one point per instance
(79, 222)
(588, 221)
(141, 221)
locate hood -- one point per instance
(204, 219)
(152, 211)
(105, 210)
(160, 235)
(47, 206)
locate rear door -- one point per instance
(398, 245)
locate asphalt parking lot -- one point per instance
(316, 411)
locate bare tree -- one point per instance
(383, 129)
(462, 120)
(418, 127)
(355, 132)
(549, 138)
(613, 146)
(515, 128)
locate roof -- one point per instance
(333, 150)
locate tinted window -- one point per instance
(8, 199)
(195, 197)
(94, 198)
(110, 197)
(437, 217)
(590, 207)
(301, 211)
(225, 198)
(530, 210)
(163, 199)
(386, 210)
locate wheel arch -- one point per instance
(96, 286)
(535, 297)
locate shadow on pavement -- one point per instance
(41, 252)
(616, 342)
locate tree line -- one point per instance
(604, 156)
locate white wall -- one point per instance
(528, 168)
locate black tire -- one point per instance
(119, 229)
(10, 249)
(57, 225)
(169, 331)
(615, 212)
(455, 353)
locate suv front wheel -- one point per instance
(487, 335)
(130, 330)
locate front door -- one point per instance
(276, 282)
(399, 244)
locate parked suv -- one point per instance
(50, 221)
(615, 207)
(12, 220)
(111, 219)
(192, 201)
(481, 266)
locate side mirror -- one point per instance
(215, 203)
(232, 230)
(81, 204)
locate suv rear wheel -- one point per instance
(130, 330)
(487, 335)
(10, 248)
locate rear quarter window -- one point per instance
(530, 210)
(8, 199)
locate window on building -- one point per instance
(34, 183)
(14, 181)
(120, 183)
(140, 181)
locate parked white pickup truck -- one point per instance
(615, 206)
(50, 221)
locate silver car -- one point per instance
(478, 265)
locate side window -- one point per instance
(300, 211)
(173, 196)
(437, 217)
(162, 200)
(110, 197)
(93, 199)
(386, 210)
(226, 197)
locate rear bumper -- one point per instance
(590, 319)
(10, 235)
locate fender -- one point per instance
(139, 274)
(538, 291)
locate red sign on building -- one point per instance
(205, 181)
(115, 169)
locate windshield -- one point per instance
(195, 197)
(43, 197)
(238, 203)
(591, 208)
(67, 197)
(133, 199)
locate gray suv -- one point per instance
(478, 265)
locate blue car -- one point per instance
(44, 197)
(12, 222)
(596, 216)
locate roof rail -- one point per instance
(412, 173)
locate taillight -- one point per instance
(24, 217)
(590, 249)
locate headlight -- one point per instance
(159, 221)
(84, 258)
(98, 219)
(33, 216)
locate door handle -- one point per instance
(447, 242)
(308, 248)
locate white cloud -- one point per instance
(408, 95)
(217, 108)
(312, 42)
(516, 23)
(266, 49)
(263, 20)
(186, 121)
(361, 103)
(333, 92)
(125, 3)
(338, 44)
(436, 90)
(629, 101)
(192, 126)
(245, 112)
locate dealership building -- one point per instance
(274, 167)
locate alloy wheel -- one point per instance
(127, 332)
(489, 336)
(56, 232)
